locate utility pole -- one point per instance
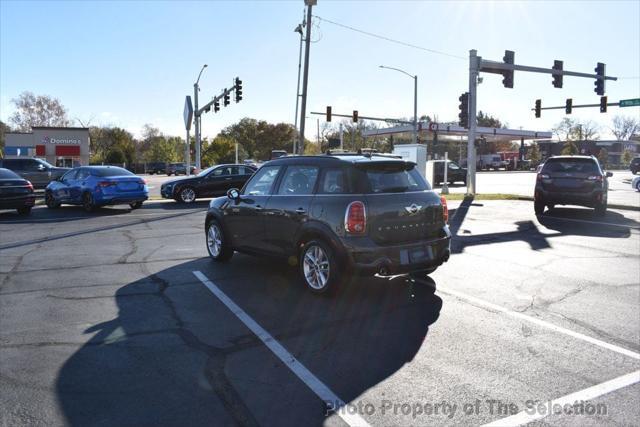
(305, 79)
(341, 137)
(298, 30)
(471, 138)
(415, 109)
(197, 114)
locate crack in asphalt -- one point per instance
(134, 247)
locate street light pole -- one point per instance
(196, 118)
(415, 100)
(295, 137)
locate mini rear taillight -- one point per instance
(445, 209)
(355, 218)
(106, 183)
(595, 178)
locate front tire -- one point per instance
(87, 202)
(136, 205)
(217, 245)
(50, 201)
(319, 268)
(187, 195)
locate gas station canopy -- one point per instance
(455, 132)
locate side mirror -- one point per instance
(609, 174)
(41, 167)
(233, 194)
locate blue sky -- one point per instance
(129, 63)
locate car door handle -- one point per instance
(258, 208)
(301, 211)
(228, 179)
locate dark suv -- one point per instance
(334, 214)
(634, 166)
(36, 171)
(571, 180)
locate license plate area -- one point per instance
(417, 255)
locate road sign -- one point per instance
(188, 112)
(630, 102)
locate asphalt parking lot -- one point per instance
(119, 318)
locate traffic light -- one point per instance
(557, 78)
(568, 106)
(463, 115)
(538, 107)
(226, 98)
(599, 83)
(508, 58)
(355, 116)
(216, 106)
(603, 104)
(328, 113)
(238, 90)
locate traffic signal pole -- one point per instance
(474, 62)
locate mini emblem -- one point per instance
(413, 209)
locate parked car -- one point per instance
(250, 162)
(214, 181)
(636, 183)
(634, 166)
(15, 192)
(454, 172)
(334, 214)
(490, 161)
(36, 171)
(156, 168)
(276, 154)
(179, 169)
(95, 186)
(571, 180)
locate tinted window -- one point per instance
(70, 176)
(260, 184)
(7, 174)
(83, 174)
(334, 181)
(571, 166)
(299, 180)
(11, 163)
(111, 171)
(394, 179)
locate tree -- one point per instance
(625, 127)
(486, 120)
(603, 157)
(534, 154)
(569, 148)
(573, 130)
(627, 156)
(221, 150)
(564, 129)
(40, 110)
(258, 138)
(163, 150)
(3, 129)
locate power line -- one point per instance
(390, 39)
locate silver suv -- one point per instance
(39, 172)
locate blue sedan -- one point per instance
(95, 186)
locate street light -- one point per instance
(295, 137)
(196, 117)
(415, 100)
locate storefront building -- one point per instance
(60, 146)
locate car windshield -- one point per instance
(570, 166)
(395, 178)
(110, 171)
(7, 174)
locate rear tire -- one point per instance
(136, 205)
(25, 210)
(538, 207)
(50, 201)
(319, 268)
(217, 246)
(87, 202)
(600, 210)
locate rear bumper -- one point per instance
(589, 199)
(368, 258)
(17, 202)
(121, 199)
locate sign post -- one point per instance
(188, 117)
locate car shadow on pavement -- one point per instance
(175, 355)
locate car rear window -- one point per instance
(570, 166)
(395, 178)
(112, 171)
(7, 174)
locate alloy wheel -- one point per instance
(316, 267)
(214, 240)
(187, 195)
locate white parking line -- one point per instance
(319, 388)
(542, 323)
(531, 414)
